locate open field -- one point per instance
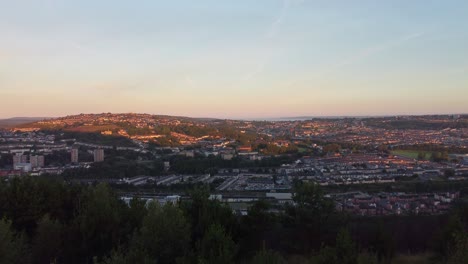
(413, 154)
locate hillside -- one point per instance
(162, 130)
(18, 121)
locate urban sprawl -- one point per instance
(329, 152)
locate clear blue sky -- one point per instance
(237, 58)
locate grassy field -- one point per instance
(413, 154)
(302, 150)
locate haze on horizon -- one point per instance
(233, 59)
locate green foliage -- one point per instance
(448, 238)
(47, 241)
(12, 245)
(421, 156)
(384, 244)
(327, 255)
(93, 138)
(310, 199)
(268, 257)
(99, 220)
(367, 258)
(346, 250)
(115, 258)
(116, 167)
(439, 156)
(25, 201)
(134, 215)
(165, 234)
(458, 253)
(416, 124)
(312, 215)
(272, 149)
(331, 148)
(57, 158)
(216, 247)
(204, 213)
(255, 225)
(56, 222)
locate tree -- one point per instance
(367, 258)
(421, 156)
(309, 196)
(331, 148)
(345, 248)
(382, 148)
(459, 252)
(327, 255)
(165, 234)
(344, 252)
(384, 244)
(254, 226)
(205, 212)
(47, 242)
(133, 216)
(12, 245)
(99, 221)
(448, 238)
(268, 257)
(115, 258)
(216, 247)
(312, 215)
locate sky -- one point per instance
(233, 58)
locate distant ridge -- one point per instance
(304, 118)
(15, 121)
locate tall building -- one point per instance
(98, 155)
(20, 158)
(74, 155)
(36, 161)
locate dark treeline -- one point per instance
(435, 148)
(91, 137)
(417, 124)
(44, 221)
(126, 166)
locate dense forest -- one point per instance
(47, 221)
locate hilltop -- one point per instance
(160, 129)
(164, 130)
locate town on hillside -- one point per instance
(245, 157)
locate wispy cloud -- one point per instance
(275, 25)
(272, 32)
(363, 54)
(376, 50)
(259, 69)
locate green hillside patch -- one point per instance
(412, 154)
